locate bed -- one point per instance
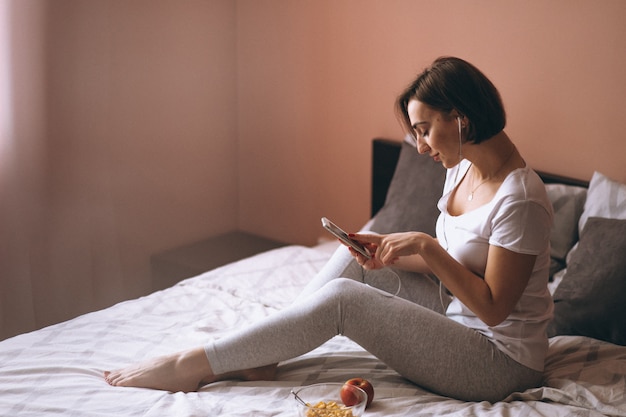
(58, 370)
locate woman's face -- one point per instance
(437, 133)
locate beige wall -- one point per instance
(139, 125)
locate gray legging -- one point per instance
(407, 332)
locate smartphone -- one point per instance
(343, 236)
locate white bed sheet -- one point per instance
(58, 370)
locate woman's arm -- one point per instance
(491, 298)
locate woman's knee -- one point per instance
(343, 287)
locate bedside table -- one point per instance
(176, 264)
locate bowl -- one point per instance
(324, 400)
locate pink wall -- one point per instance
(135, 126)
(317, 81)
(122, 144)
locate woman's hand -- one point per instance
(372, 262)
(388, 249)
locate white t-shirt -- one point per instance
(518, 218)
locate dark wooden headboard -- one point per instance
(385, 154)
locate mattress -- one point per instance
(58, 370)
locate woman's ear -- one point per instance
(458, 116)
(461, 120)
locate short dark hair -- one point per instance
(454, 84)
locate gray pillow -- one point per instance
(590, 299)
(411, 203)
(605, 198)
(568, 202)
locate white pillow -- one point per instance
(605, 198)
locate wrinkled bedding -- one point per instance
(58, 370)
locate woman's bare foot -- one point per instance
(184, 371)
(178, 372)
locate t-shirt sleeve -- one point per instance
(522, 226)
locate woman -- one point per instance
(491, 253)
